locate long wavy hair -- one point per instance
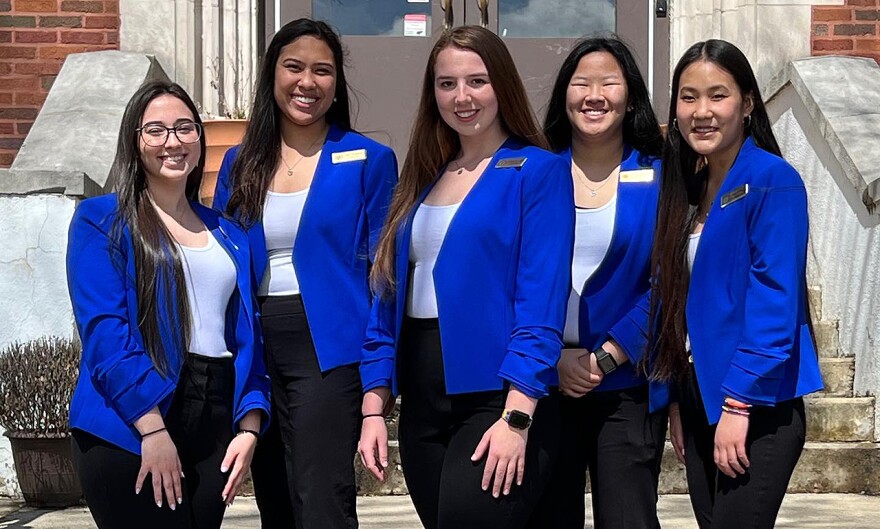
(260, 150)
(640, 127)
(682, 187)
(163, 306)
(433, 143)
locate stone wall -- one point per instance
(35, 38)
(850, 29)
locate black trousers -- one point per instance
(774, 444)
(439, 433)
(613, 434)
(318, 416)
(200, 424)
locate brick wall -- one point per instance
(35, 37)
(850, 29)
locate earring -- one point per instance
(674, 123)
(334, 99)
(747, 121)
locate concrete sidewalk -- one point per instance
(800, 511)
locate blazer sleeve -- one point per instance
(113, 351)
(256, 393)
(543, 279)
(777, 240)
(379, 350)
(631, 331)
(222, 191)
(378, 184)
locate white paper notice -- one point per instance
(415, 25)
(418, 1)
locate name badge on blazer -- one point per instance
(732, 196)
(350, 156)
(637, 176)
(511, 162)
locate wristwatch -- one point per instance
(517, 419)
(606, 362)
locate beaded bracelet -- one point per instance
(738, 405)
(735, 411)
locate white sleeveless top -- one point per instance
(592, 239)
(693, 243)
(282, 213)
(210, 281)
(428, 231)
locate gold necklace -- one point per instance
(593, 190)
(302, 156)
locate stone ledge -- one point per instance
(43, 182)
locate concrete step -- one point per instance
(838, 375)
(828, 339)
(840, 418)
(815, 296)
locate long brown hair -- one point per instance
(433, 143)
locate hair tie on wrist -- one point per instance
(245, 430)
(367, 416)
(144, 436)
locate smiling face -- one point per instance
(173, 161)
(305, 80)
(465, 97)
(597, 98)
(711, 110)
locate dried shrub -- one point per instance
(37, 379)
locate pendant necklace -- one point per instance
(593, 190)
(290, 168)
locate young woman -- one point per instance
(472, 272)
(600, 118)
(172, 390)
(734, 331)
(313, 195)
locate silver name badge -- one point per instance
(510, 162)
(733, 196)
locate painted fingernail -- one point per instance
(137, 490)
(179, 501)
(173, 506)
(224, 468)
(159, 504)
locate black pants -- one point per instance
(318, 415)
(614, 435)
(439, 433)
(774, 445)
(200, 424)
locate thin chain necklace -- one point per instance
(593, 190)
(290, 168)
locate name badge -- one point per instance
(637, 176)
(510, 162)
(350, 156)
(733, 196)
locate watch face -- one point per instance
(606, 362)
(518, 419)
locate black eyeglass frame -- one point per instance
(169, 130)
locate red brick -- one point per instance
(820, 30)
(17, 52)
(47, 81)
(863, 3)
(6, 158)
(19, 113)
(79, 6)
(61, 52)
(11, 143)
(112, 37)
(60, 22)
(5, 68)
(7, 128)
(36, 36)
(868, 45)
(82, 37)
(111, 6)
(5, 6)
(24, 127)
(5, 98)
(13, 84)
(38, 67)
(30, 99)
(832, 45)
(868, 14)
(855, 29)
(7, 21)
(5, 36)
(36, 6)
(102, 22)
(831, 14)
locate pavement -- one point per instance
(799, 511)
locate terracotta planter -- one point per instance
(44, 467)
(220, 135)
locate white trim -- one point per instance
(277, 15)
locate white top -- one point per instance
(210, 280)
(282, 213)
(428, 231)
(693, 242)
(592, 238)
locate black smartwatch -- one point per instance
(606, 362)
(517, 419)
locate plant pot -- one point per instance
(220, 135)
(45, 470)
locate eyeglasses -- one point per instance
(156, 135)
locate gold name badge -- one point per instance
(511, 162)
(733, 196)
(350, 156)
(637, 176)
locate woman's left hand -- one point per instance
(730, 444)
(506, 460)
(238, 457)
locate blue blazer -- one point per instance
(747, 302)
(118, 383)
(340, 226)
(502, 280)
(608, 304)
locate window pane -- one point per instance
(555, 18)
(395, 18)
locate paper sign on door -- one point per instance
(415, 25)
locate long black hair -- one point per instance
(159, 278)
(681, 189)
(640, 127)
(260, 149)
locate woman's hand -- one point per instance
(676, 433)
(373, 446)
(576, 377)
(730, 444)
(159, 459)
(506, 461)
(239, 455)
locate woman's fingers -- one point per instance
(510, 476)
(489, 470)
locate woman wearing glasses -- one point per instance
(172, 391)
